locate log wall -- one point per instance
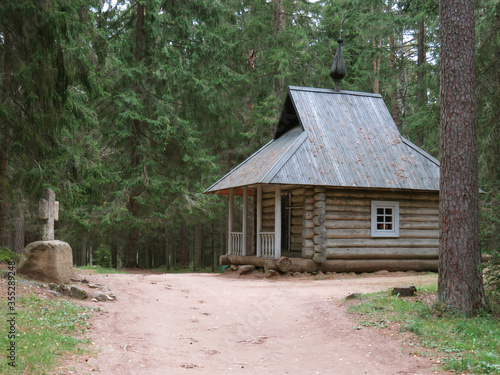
(348, 226)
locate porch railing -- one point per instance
(267, 244)
(237, 243)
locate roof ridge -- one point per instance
(286, 156)
(331, 91)
(420, 151)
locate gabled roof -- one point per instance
(337, 139)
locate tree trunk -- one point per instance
(18, 241)
(114, 255)
(198, 250)
(421, 89)
(135, 158)
(460, 283)
(184, 261)
(4, 186)
(167, 249)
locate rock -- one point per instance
(64, 290)
(84, 281)
(55, 293)
(93, 286)
(382, 272)
(405, 291)
(108, 292)
(76, 279)
(53, 286)
(271, 273)
(49, 261)
(78, 293)
(297, 274)
(353, 296)
(100, 296)
(94, 300)
(233, 267)
(243, 270)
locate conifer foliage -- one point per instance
(130, 109)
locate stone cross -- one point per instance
(48, 211)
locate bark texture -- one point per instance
(460, 284)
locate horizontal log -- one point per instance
(297, 212)
(306, 223)
(307, 243)
(367, 202)
(348, 201)
(419, 218)
(418, 211)
(296, 247)
(309, 207)
(308, 253)
(268, 202)
(268, 209)
(295, 229)
(298, 191)
(309, 199)
(337, 265)
(382, 195)
(355, 224)
(431, 225)
(382, 253)
(308, 233)
(268, 216)
(373, 265)
(382, 242)
(296, 239)
(366, 233)
(348, 208)
(347, 216)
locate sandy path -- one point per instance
(210, 324)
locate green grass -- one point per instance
(465, 345)
(101, 270)
(7, 255)
(45, 331)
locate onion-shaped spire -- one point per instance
(337, 71)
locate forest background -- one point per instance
(129, 110)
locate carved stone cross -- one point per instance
(48, 211)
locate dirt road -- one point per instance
(211, 324)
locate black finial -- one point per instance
(337, 71)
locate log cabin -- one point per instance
(337, 189)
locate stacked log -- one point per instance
(319, 229)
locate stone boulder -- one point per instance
(47, 261)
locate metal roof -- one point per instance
(337, 139)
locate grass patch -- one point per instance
(465, 345)
(101, 270)
(7, 255)
(45, 330)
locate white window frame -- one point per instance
(394, 232)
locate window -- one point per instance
(385, 219)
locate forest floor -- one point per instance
(223, 323)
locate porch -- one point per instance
(264, 243)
